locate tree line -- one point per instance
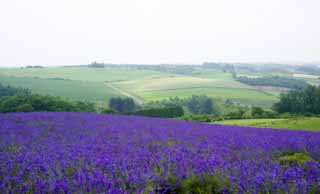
(275, 81)
(27, 102)
(196, 104)
(10, 91)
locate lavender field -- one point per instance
(92, 153)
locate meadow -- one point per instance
(298, 123)
(92, 153)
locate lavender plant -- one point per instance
(92, 153)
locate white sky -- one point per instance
(65, 32)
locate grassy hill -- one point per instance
(292, 123)
(73, 89)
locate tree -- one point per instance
(256, 111)
(300, 101)
(122, 104)
(200, 105)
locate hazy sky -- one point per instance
(64, 32)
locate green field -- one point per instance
(99, 84)
(212, 83)
(83, 73)
(292, 123)
(215, 92)
(73, 89)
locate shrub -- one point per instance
(169, 112)
(295, 158)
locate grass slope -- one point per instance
(293, 123)
(83, 73)
(77, 90)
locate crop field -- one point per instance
(77, 90)
(186, 86)
(92, 153)
(215, 92)
(292, 123)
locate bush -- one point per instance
(169, 112)
(24, 108)
(200, 118)
(108, 111)
(295, 158)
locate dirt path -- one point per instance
(136, 99)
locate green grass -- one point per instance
(177, 82)
(292, 123)
(77, 90)
(83, 73)
(214, 92)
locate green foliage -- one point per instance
(38, 103)
(108, 111)
(167, 112)
(84, 106)
(300, 101)
(170, 102)
(200, 118)
(205, 184)
(274, 81)
(122, 105)
(257, 111)
(195, 104)
(24, 108)
(295, 158)
(200, 104)
(285, 122)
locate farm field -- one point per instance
(292, 123)
(83, 73)
(215, 92)
(92, 153)
(77, 90)
(99, 84)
